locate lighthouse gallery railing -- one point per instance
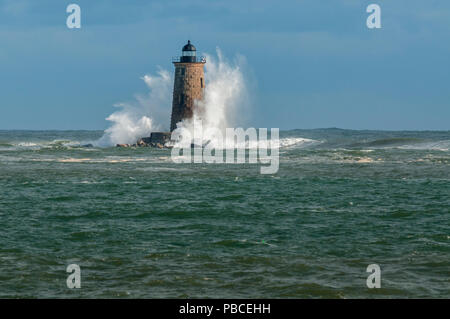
(201, 59)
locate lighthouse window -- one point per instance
(188, 53)
(182, 71)
(201, 83)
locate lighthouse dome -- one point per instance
(189, 47)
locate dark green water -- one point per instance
(140, 225)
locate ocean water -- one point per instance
(141, 226)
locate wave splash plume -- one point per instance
(225, 97)
(138, 118)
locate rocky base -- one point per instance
(143, 144)
(156, 139)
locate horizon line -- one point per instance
(281, 130)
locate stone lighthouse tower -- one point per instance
(189, 84)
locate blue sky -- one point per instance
(314, 63)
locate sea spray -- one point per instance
(138, 118)
(225, 104)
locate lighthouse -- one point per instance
(188, 88)
(189, 84)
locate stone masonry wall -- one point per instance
(188, 86)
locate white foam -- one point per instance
(443, 145)
(28, 144)
(47, 144)
(297, 141)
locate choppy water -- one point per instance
(141, 226)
